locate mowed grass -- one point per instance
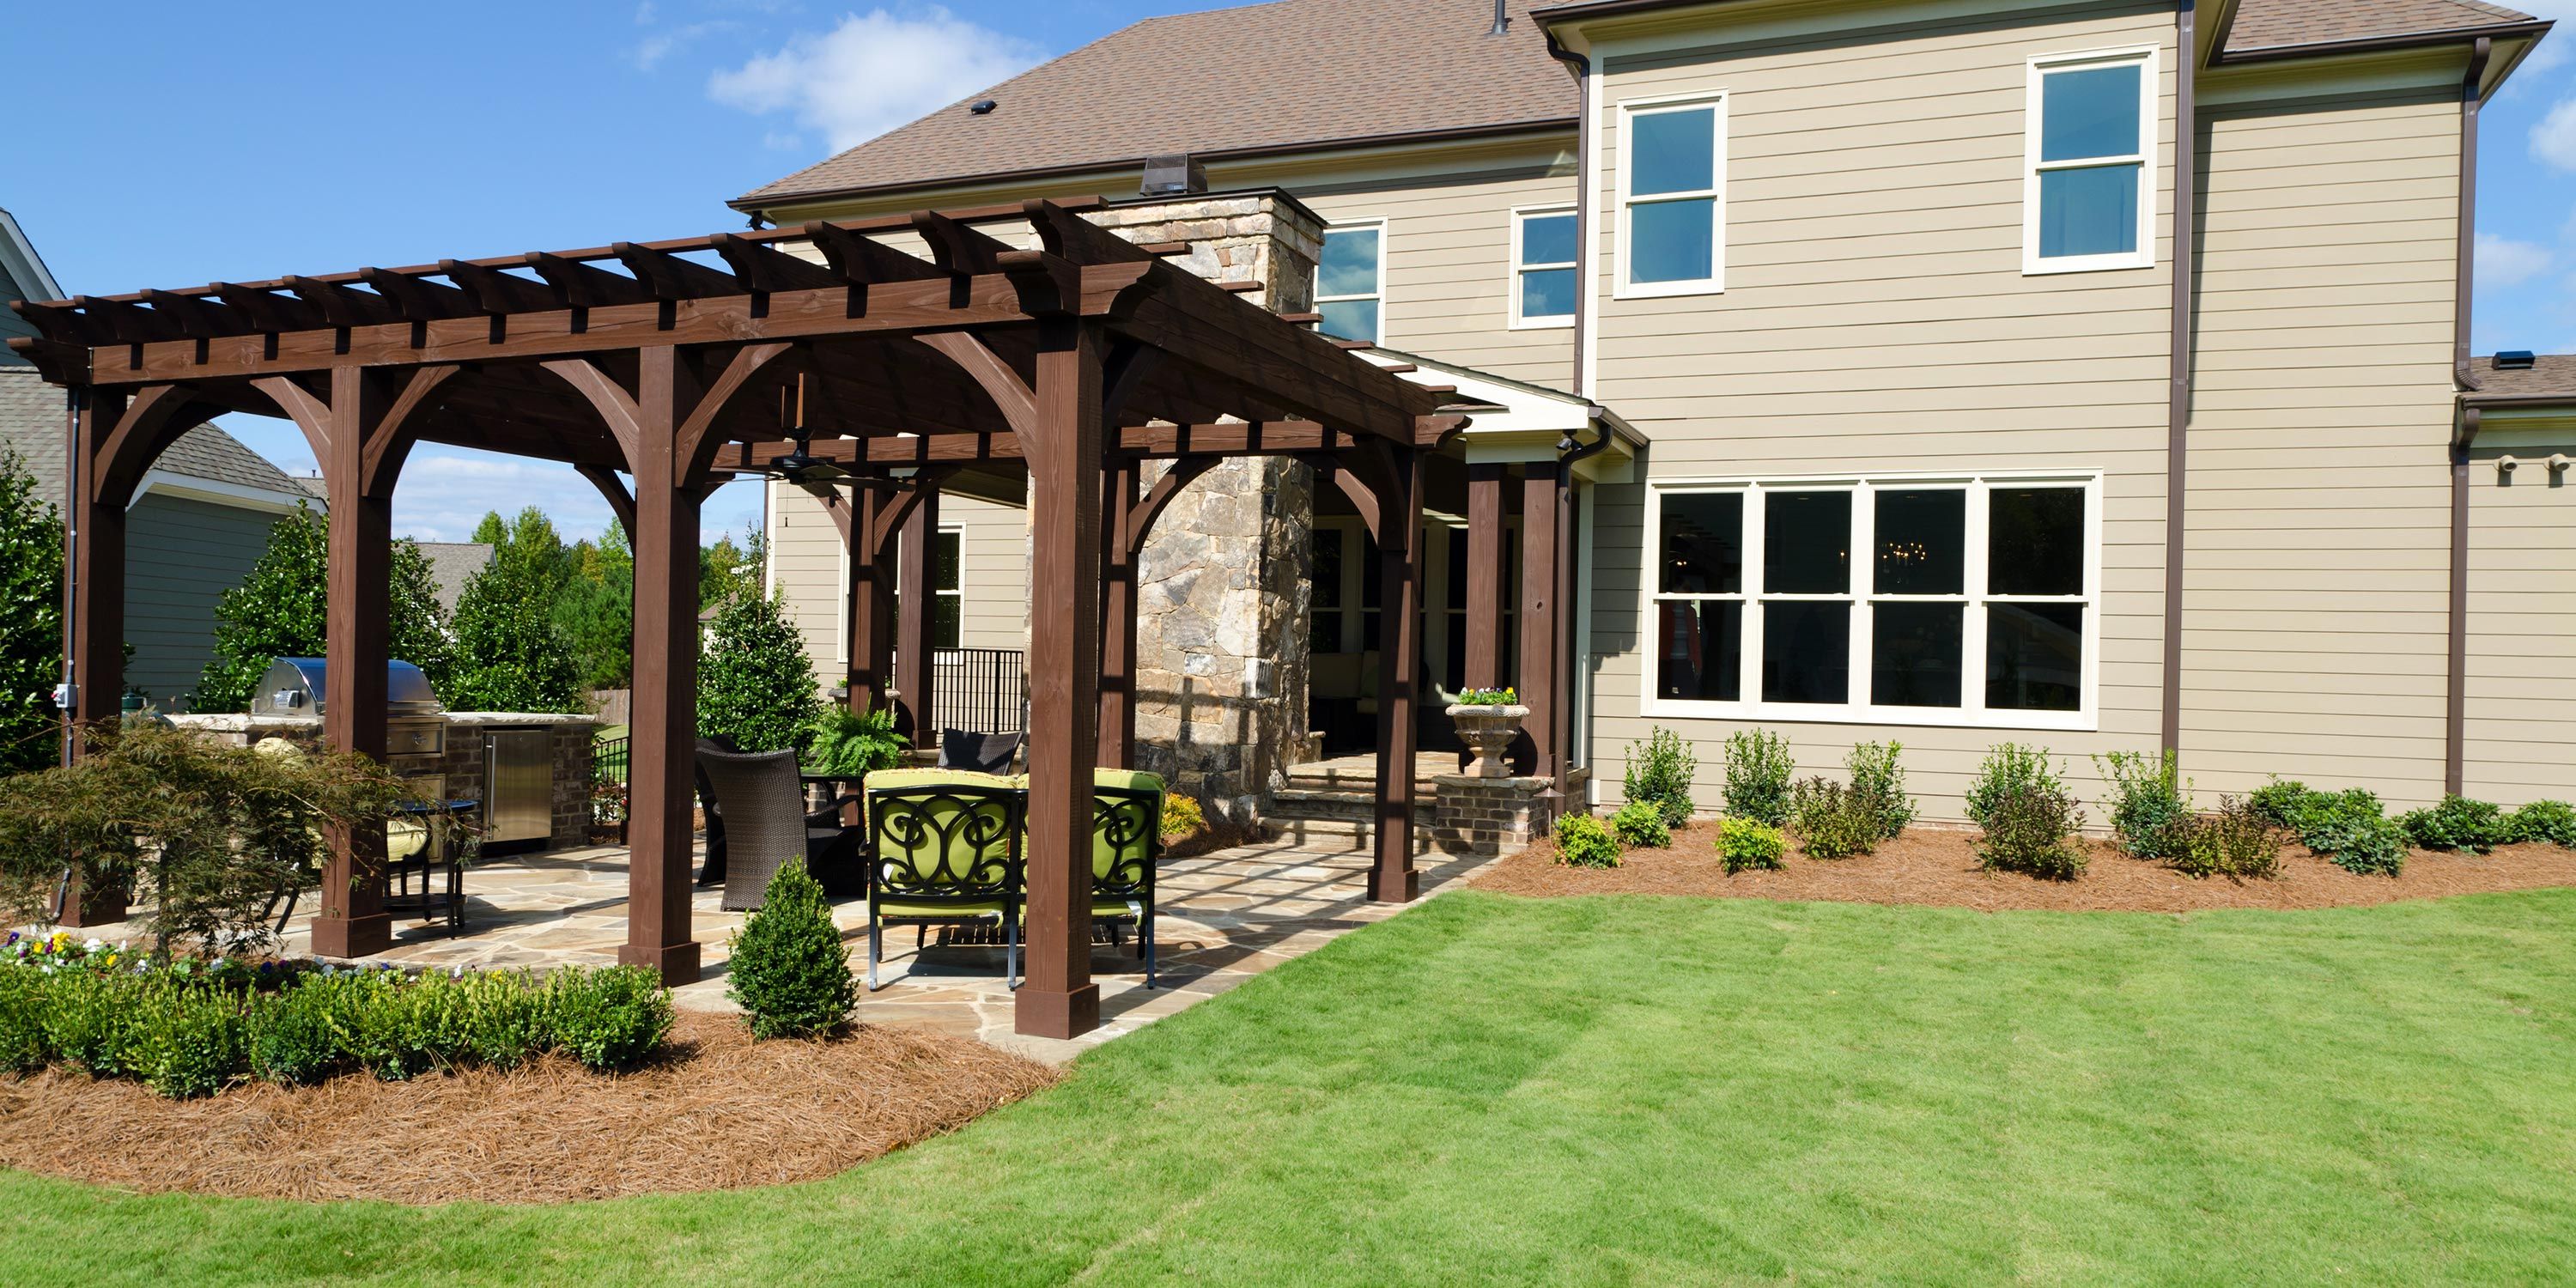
(1654, 1091)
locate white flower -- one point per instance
(95, 943)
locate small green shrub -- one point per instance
(1878, 787)
(2007, 771)
(507, 1020)
(94, 1022)
(2031, 828)
(791, 970)
(2547, 822)
(2279, 802)
(23, 1048)
(609, 1019)
(2149, 811)
(1181, 816)
(1582, 842)
(1640, 825)
(2237, 841)
(1829, 821)
(2352, 829)
(308, 1033)
(406, 1029)
(2459, 823)
(1758, 769)
(1744, 844)
(196, 1043)
(1660, 771)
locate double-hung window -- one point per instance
(2088, 182)
(1350, 281)
(1543, 267)
(1961, 601)
(1672, 196)
(948, 588)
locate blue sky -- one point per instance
(186, 143)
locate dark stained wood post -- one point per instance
(664, 714)
(1568, 666)
(352, 921)
(1484, 576)
(1399, 542)
(868, 613)
(94, 611)
(915, 620)
(1058, 999)
(1539, 610)
(1120, 545)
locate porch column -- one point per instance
(352, 921)
(1484, 576)
(1540, 587)
(1057, 998)
(1567, 666)
(93, 611)
(664, 717)
(868, 612)
(1399, 543)
(915, 620)
(1120, 545)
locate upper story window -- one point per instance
(2090, 148)
(948, 589)
(1543, 267)
(1672, 200)
(1350, 281)
(1935, 601)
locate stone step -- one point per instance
(1307, 803)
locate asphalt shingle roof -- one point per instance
(2273, 24)
(2549, 374)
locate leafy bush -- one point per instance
(2279, 802)
(609, 1019)
(2008, 770)
(1182, 816)
(1878, 787)
(196, 1042)
(2459, 823)
(278, 611)
(1640, 825)
(1745, 843)
(2352, 829)
(2548, 822)
(1829, 821)
(1660, 770)
(755, 684)
(31, 618)
(308, 1033)
(840, 741)
(2031, 828)
(1581, 842)
(1758, 768)
(2237, 841)
(2148, 810)
(95, 1022)
(791, 971)
(23, 1048)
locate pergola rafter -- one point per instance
(658, 369)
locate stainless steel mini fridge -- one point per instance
(518, 786)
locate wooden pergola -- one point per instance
(1074, 355)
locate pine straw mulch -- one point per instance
(1938, 866)
(717, 1111)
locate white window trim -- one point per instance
(957, 530)
(1629, 110)
(1321, 299)
(1972, 711)
(1514, 268)
(2149, 126)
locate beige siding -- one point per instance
(2521, 742)
(1876, 319)
(809, 569)
(2316, 578)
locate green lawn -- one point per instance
(1653, 1091)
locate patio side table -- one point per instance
(430, 885)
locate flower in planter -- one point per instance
(1502, 697)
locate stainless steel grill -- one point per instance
(415, 720)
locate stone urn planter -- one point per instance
(1488, 731)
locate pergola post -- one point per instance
(664, 716)
(352, 921)
(1120, 545)
(1484, 575)
(1399, 542)
(1058, 999)
(94, 613)
(1539, 607)
(914, 663)
(869, 610)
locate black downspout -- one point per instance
(1569, 667)
(2455, 705)
(1582, 67)
(2178, 397)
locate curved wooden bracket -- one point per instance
(613, 490)
(389, 440)
(310, 411)
(1140, 517)
(696, 447)
(616, 407)
(152, 419)
(1017, 402)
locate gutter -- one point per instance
(1582, 69)
(2472, 96)
(2186, 239)
(2533, 29)
(2455, 722)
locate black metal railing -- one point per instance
(611, 761)
(981, 690)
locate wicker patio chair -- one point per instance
(982, 753)
(1126, 846)
(943, 849)
(766, 824)
(714, 871)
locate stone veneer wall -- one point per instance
(1224, 578)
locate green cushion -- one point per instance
(1116, 910)
(988, 910)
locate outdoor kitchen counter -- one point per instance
(569, 754)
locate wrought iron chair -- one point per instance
(766, 824)
(942, 850)
(1126, 845)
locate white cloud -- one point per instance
(445, 491)
(874, 72)
(2553, 140)
(2502, 261)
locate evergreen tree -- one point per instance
(281, 608)
(597, 609)
(755, 685)
(726, 570)
(31, 619)
(509, 654)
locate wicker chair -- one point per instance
(766, 824)
(943, 850)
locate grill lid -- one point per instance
(293, 686)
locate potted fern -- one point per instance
(1488, 720)
(845, 744)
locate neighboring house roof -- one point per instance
(312, 486)
(22, 277)
(208, 453)
(451, 563)
(2551, 375)
(1245, 81)
(2277, 24)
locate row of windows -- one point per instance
(2089, 150)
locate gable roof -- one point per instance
(2288, 24)
(208, 453)
(2550, 375)
(1245, 81)
(23, 276)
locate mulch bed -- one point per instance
(719, 1111)
(1938, 866)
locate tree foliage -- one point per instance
(755, 685)
(282, 609)
(597, 609)
(31, 618)
(510, 654)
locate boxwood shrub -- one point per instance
(1641, 825)
(2548, 822)
(1744, 844)
(1582, 842)
(2459, 823)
